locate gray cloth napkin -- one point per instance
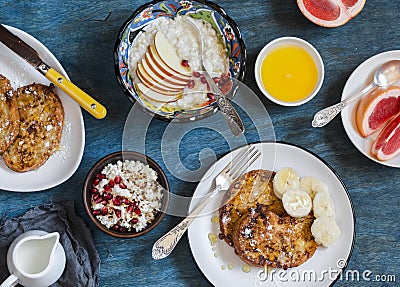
(82, 260)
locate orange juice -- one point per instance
(289, 73)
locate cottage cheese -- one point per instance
(126, 196)
(180, 34)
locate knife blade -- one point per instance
(26, 52)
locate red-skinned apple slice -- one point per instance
(165, 83)
(163, 69)
(168, 55)
(146, 80)
(155, 96)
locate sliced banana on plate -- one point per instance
(313, 185)
(285, 179)
(325, 230)
(297, 202)
(323, 205)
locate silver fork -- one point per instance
(228, 111)
(166, 244)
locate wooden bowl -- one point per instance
(114, 158)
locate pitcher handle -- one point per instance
(11, 281)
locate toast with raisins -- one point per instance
(9, 116)
(41, 123)
(248, 190)
(263, 238)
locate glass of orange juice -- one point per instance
(289, 71)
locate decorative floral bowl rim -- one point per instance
(143, 16)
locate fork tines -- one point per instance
(243, 160)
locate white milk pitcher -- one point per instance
(35, 259)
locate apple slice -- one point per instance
(165, 71)
(146, 80)
(155, 96)
(168, 54)
(158, 72)
(164, 83)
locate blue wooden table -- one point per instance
(82, 33)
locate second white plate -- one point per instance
(220, 264)
(61, 165)
(359, 79)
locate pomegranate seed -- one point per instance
(96, 212)
(107, 196)
(125, 200)
(117, 179)
(107, 188)
(216, 80)
(137, 211)
(122, 185)
(191, 84)
(118, 213)
(104, 210)
(185, 63)
(104, 202)
(94, 190)
(122, 229)
(115, 227)
(129, 209)
(117, 200)
(111, 183)
(98, 199)
(211, 96)
(203, 80)
(100, 176)
(134, 220)
(96, 181)
(196, 74)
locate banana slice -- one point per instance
(323, 205)
(325, 230)
(297, 203)
(312, 185)
(285, 179)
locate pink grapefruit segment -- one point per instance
(376, 109)
(387, 144)
(330, 13)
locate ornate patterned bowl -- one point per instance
(208, 11)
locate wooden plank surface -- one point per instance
(82, 33)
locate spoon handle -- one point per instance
(227, 109)
(324, 116)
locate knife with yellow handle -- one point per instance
(29, 54)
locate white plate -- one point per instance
(358, 80)
(62, 164)
(274, 157)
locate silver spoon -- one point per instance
(227, 109)
(386, 75)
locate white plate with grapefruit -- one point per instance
(352, 119)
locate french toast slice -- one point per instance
(41, 123)
(9, 116)
(248, 190)
(263, 238)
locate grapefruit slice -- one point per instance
(330, 13)
(387, 144)
(376, 109)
